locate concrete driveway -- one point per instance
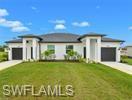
(7, 64)
(119, 66)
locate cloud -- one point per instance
(81, 24)
(6, 23)
(33, 8)
(59, 24)
(57, 21)
(19, 29)
(16, 26)
(130, 27)
(3, 12)
(59, 27)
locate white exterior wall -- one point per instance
(93, 48)
(27, 48)
(113, 44)
(28, 51)
(129, 51)
(35, 46)
(60, 48)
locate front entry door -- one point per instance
(84, 52)
(31, 52)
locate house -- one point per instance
(123, 51)
(91, 46)
(129, 51)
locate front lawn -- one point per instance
(90, 81)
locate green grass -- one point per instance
(127, 60)
(90, 81)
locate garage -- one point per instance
(108, 54)
(17, 54)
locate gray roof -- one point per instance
(15, 41)
(29, 36)
(91, 34)
(63, 38)
(60, 37)
(105, 39)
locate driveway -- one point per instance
(119, 66)
(6, 64)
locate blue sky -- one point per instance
(111, 17)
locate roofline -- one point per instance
(59, 42)
(46, 42)
(30, 37)
(113, 41)
(12, 42)
(91, 35)
(67, 42)
(79, 38)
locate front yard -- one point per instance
(90, 81)
(127, 60)
(3, 56)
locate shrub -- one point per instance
(72, 55)
(124, 57)
(3, 56)
(48, 55)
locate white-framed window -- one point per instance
(69, 48)
(51, 48)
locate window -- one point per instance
(69, 48)
(51, 48)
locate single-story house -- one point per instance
(129, 50)
(123, 51)
(91, 46)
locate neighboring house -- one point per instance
(123, 51)
(129, 50)
(91, 46)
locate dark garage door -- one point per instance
(17, 53)
(108, 54)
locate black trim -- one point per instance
(84, 52)
(31, 52)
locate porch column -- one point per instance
(99, 50)
(10, 54)
(34, 49)
(24, 50)
(118, 57)
(87, 49)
